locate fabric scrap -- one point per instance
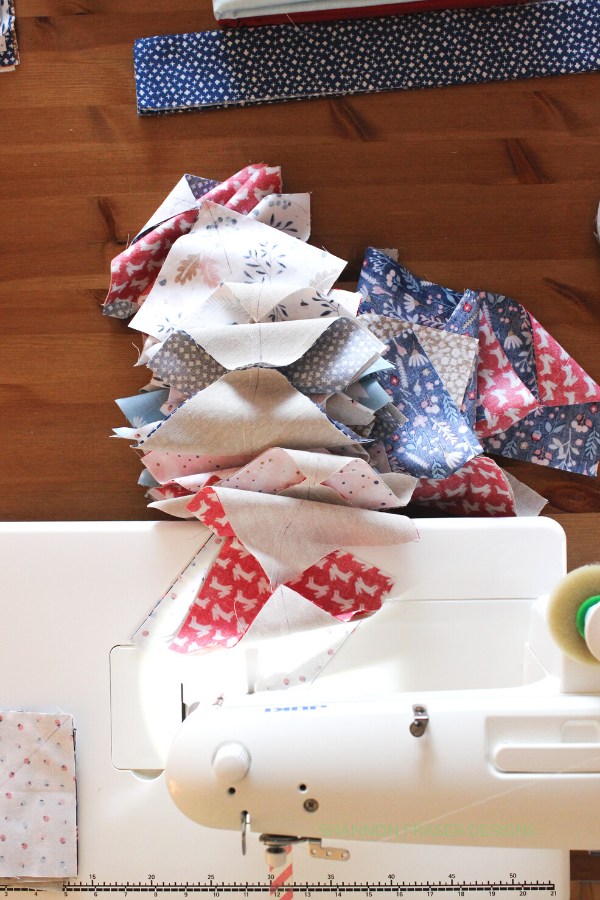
(166, 467)
(142, 409)
(480, 488)
(38, 798)
(184, 196)
(9, 51)
(279, 470)
(293, 640)
(435, 440)
(513, 398)
(285, 212)
(164, 622)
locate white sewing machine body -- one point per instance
(494, 752)
(512, 741)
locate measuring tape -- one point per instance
(305, 889)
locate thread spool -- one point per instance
(571, 595)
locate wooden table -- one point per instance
(485, 186)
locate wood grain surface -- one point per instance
(483, 186)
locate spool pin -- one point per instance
(574, 604)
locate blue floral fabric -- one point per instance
(512, 326)
(435, 441)
(563, 437)
(391, 290)
(286, 62)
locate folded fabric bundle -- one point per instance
(38, 843)
(265, 380)
(528, 399)
(269, 12)
(286, 62)
(287, 416)
(9, 52)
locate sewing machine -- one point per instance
(424, 716)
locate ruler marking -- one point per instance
(318, 887)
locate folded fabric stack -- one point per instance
(268, 12)
(38, 843)
(527, 399)
(287, 415)
(9, 52)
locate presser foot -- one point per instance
(276, 848)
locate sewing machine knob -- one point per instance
(231, 762)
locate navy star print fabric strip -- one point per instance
(286, 62)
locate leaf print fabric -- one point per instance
(436, 439)
(241, 250)
(192, 266)
(285, 212)
(37, 798)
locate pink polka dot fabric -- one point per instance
(38, 837)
